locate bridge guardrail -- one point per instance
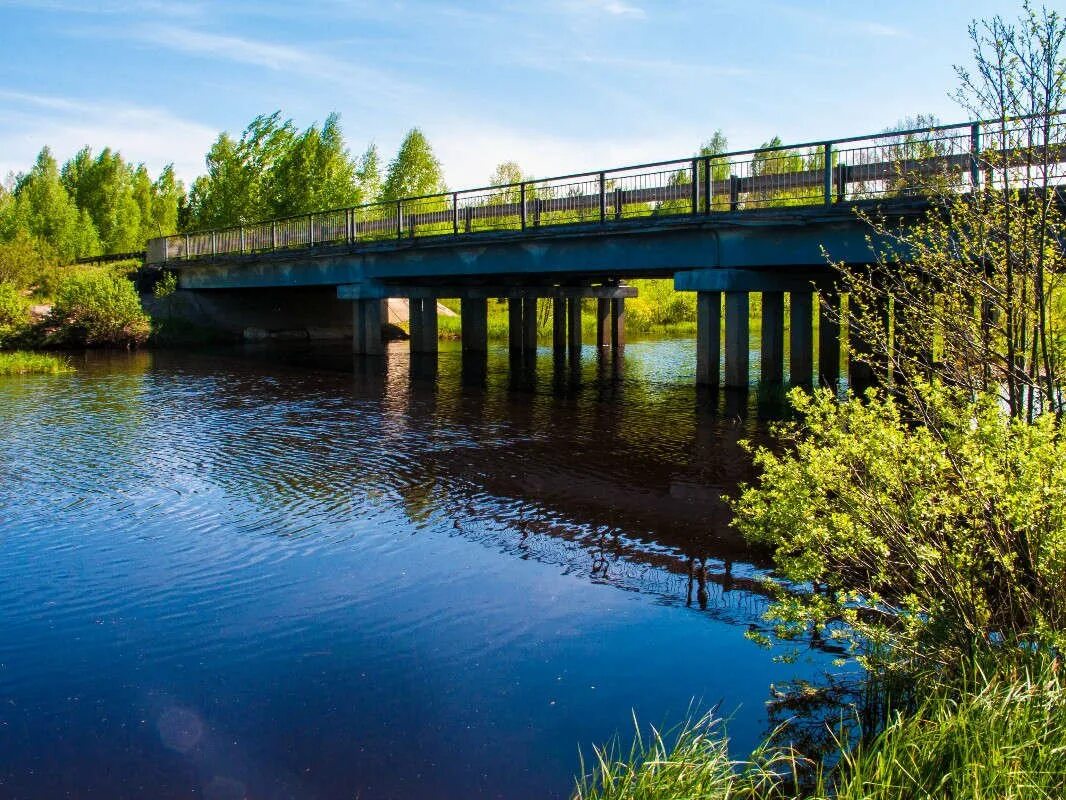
(896, 164)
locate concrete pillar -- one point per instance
(860, 372)
(708, 337)
(829, 339)
(773, 337)
(529, 324)
(558, 324)
(475, 325)
(801, 338)
(618, 323)
(514, 324)
(736, 339)
(603, 315)
(429, 325)
(415, 322)
(573, 323)
(366, 327)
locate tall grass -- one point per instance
(23, 363)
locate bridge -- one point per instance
(720, 225)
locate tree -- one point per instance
(506, 175)
(969, 293)
(43, 209)
(314, 172)
(415, 171)
(104, 187)
(236, 188)
(368, 173)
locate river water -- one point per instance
(294, 574)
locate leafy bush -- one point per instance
(14, 311)
(928, 542)
(97, 308)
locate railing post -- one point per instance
(619, 200)
(348, 226)
(707, 185)
(522, 201)
(603, 197)
(842, 182)
(468, 212)
(734, 192)
(827, 172)
(187, 246)
(537, 203)
(399, 219)
(695, 187)
(273, 236)
(310, 230)
(455, 213)
(242, 239)
(214, 243)
(975, 155)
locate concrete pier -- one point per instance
(603, 320)
(800, 338)
(573, 324)
(474, 312)
(514, 324)
(829, 338)
(559, 324)
(773, 337)
(736, 339)
(366, 327)
(618, 323)
(423, 323)
(708, 337)
(529, 324)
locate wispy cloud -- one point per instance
(614, 8)
(143, 134)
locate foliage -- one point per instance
(23, 260)
(14, 312)
(928, 542)
(315, 172)
(979, 299)
(368, 174)
(166, 285)
(22, 363)
(415, 170)
(95, 307)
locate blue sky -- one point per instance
(558, 85)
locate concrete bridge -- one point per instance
(721, 226)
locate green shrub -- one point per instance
(14, 313)
(924, 544)
(95, 307)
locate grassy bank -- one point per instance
(23, 363)
(998, 732)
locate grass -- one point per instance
(23, 363)
(998, 733)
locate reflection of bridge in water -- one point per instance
(721, 226)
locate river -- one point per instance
(288, 574)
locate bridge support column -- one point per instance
(474, 324)
(829, 339)
(423, 317)
(736, 339)
(801, 338)
(603, 315)
(708, 337)
(573, 323)
(559, 324)
(773, 337)
(514, 324)
(618, 323)
(366, 327)
(529, 324)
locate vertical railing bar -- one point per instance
(455, 213)
(694, 189)
(399, 219)
(310, 230)
(734, 192)
(273, 236)
(242, 239)
(975, 156)
(522, 201)
(603, 197)
(827, 173)
(187, 256)
(707, 185)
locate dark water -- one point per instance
(278, 575)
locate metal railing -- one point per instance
(886, 165)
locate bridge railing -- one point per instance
(956, 158)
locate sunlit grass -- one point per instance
(23, 363)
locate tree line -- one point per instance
(100, 203)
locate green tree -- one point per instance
(236, 188)
(368, 173)
(415, 171)
(314, 172)
(43, 209)
(104, 187)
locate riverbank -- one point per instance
(21, 362)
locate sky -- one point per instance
(557, 85)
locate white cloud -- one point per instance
(142, 134)
(614, 8)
